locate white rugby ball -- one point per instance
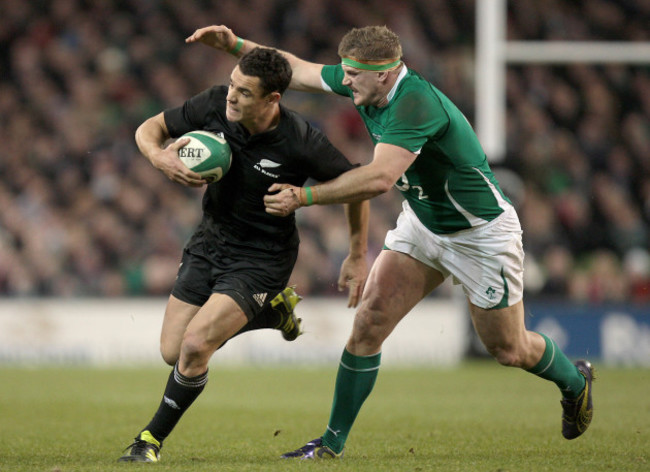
(208, 154)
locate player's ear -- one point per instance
(273, 97)
(382, 76)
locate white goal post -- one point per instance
(494, 52)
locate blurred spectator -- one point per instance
(83, 214)
(558, 265)
(636, 265)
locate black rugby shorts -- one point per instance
(250, 278)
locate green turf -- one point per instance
(481, 417)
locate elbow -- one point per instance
(379, 178)
(141, 131)
(138, 132)
(383, 184)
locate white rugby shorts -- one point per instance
(487, 260)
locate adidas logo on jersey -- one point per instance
(260, 298)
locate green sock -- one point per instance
(354, 382)
(556, 367)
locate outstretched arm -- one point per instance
(306, 75)
(150, 137)
(388, 164)
(354, 187)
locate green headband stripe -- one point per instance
(346, 61)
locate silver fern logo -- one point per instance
(171, 403)
(264, 164)
(268, 164)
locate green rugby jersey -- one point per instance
(449, 186)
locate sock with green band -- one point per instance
(354, 382)
(556, 367)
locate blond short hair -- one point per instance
(370, 43)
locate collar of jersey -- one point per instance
(400, 77)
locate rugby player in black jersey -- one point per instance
(236, 265)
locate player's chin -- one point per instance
(358, 99)
(232, 115)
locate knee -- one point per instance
(369, 328)
(169, 356)
(170, 350)
(194, 346)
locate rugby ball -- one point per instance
(208, 154)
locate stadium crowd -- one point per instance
(82, 213)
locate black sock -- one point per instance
(267, 318)
(180, 393)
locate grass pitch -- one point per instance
(479, 417)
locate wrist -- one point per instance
(308, 196)
(354, 255)
(239, 44)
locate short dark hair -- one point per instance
(270, 66)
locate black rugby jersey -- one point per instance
(290, 153)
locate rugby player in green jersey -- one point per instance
(455, 222)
